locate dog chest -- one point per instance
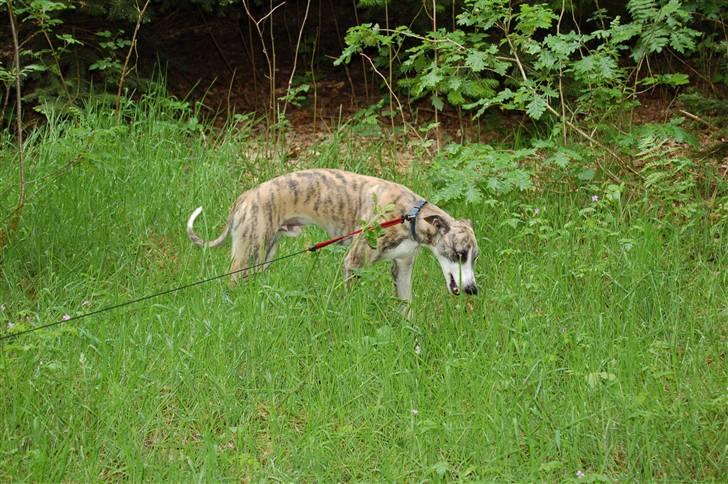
(406, 247)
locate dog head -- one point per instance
(454, 245)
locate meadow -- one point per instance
(595, 350)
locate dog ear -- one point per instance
(439, 223)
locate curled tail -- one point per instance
(197, 240)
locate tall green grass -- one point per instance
(596, 346)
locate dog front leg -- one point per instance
(402, 275)
(358, 256)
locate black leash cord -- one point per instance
(144, 298)
(312, 248)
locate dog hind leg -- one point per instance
(245, 254)
(237, 268)
(271, 247)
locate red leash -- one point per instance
(383, 225)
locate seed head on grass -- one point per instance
(580, 474)
(414, 412)
(595, 198)
(11, 325)
(66, 317)
(536, 211)
(418, 350)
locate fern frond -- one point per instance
(642, 10)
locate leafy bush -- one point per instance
(516, 57)
(477, 172)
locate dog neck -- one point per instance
(412, 218)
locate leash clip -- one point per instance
(412, 218)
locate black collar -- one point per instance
(412, 218)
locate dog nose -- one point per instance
(472, 290)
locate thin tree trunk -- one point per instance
(295, 58)
(132, 47)
(18, 115)
(14, 216)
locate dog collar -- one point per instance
(412, 218)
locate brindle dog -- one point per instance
(337, 201)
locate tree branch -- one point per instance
(18, 119)
(128, 56)
(295, 57)
(391, 93)
(271, 72)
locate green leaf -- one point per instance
(372, 238)
(534, 17)
(432, 78)
(536, 107)
(32, 68)
(437, 102)
(563, 45)
(455, 98)
(522, 180)
(69, 39)
(675, 79)
(480, 88)
(476, 60)
(546, 60)
(473, 195)
(587, 174)
(495, 184)
(542, 144)
(455, 83)
(595, 67)
(562, 157)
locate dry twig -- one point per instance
(132, 47)
(15, 215)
